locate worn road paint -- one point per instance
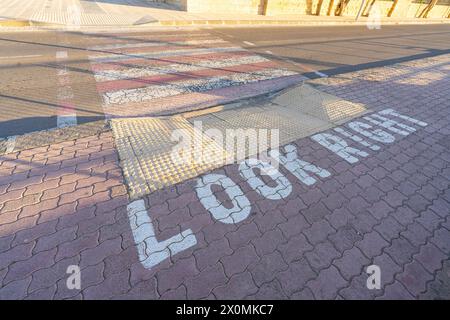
(395, 114)
(117, 95)
(10, 144)
(241, 205)
(376, 135)
(154, 44)
(121, 74)
(165, 53)
(280, 191)
(249, 43)
(132, 73)
(390, 125)
(305, 67)
(297, 167)
(152, 252)
(339, 146)
(357, 139)
(66, 118)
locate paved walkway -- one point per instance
(384, 201)
(139, 12)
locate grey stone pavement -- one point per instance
(386, 203)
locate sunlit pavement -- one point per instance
(74, 77)
(383, 201)
(52, 79)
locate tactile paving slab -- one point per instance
(149, 148)
(149, 157)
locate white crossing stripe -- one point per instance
(61, 55)
(164, 53)
(126, 75)
(66, 120)
(152, 43)
(66, 115)
(174, 68)
(200, 85)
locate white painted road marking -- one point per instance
(395, 114)
(241, 205)
(280, 191)
(10, 144)
(377, 134)
(249, 43)
(66, 115)
(390, 125)
(138, 72)
(150, 251)
(155, 44)
(61, 55)
(128, 76)
(21, 57)
(66, 120)
(197, 85)
(159, 54)
(298, 167)
(357, 138)
(339, 146)
(321, 74)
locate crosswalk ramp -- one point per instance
(159, 152)
(162, 74)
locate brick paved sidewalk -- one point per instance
(66, 204)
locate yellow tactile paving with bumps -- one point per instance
(147, 151)
(149, 148)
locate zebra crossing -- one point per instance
(159, 74)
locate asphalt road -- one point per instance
(34, 64)
(336, 50)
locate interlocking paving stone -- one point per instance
(315, 243)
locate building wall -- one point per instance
(276, 7)
(440, 11)
(404, 8)
(314, 7)
(225, 6)
(401, 9)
